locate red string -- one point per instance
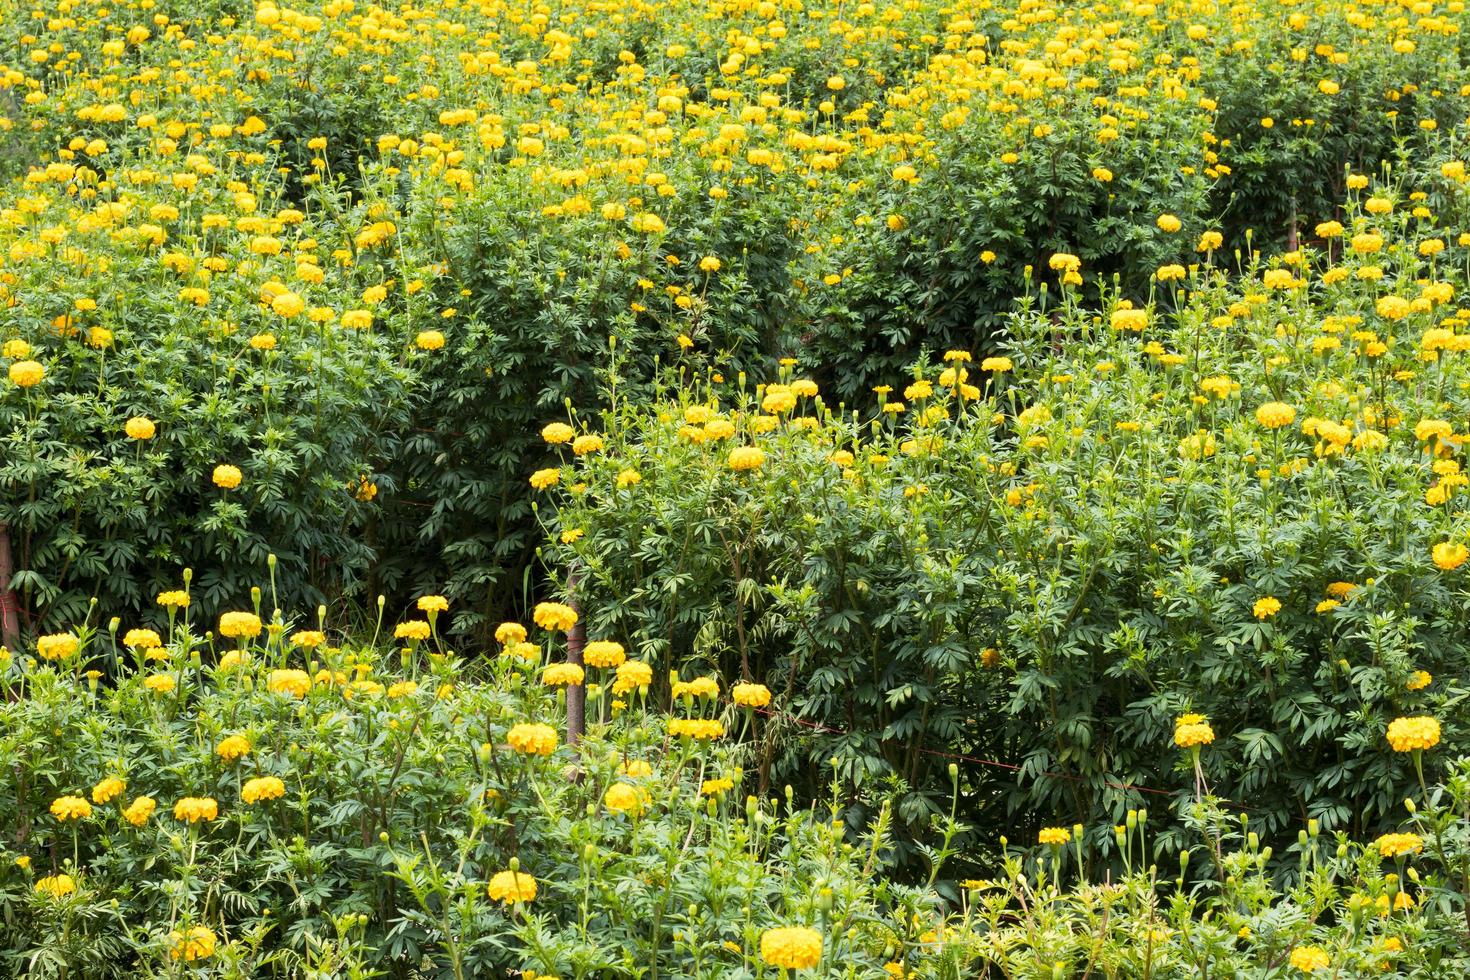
(994, 763)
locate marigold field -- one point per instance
(793, 488)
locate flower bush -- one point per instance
(361, 261)
(402, 812)
(1236, 494)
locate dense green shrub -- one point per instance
(272, 805)
(1041, 560)
(300, 408)
(872, 182)
(354, 806)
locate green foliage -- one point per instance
(1042, 561)
(95, 513)
(403, 793)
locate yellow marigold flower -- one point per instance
(582, 445)
(635, 769)
(622, 798)
(716, 787)
(1274, 415)
(1419, 680)
(429, 340)
(159, 683)
(1393, 307)
(554, 616)
(791, 947)
(413, 629)
(56, 886)
(233, 747)
(1413, 734)
(561, 675)
(308, 639)
(997, 365)
(529, 652)
(511, 887)
(226, 476)
(632, 675)
(1310, 959)
(1395, 845)
(261, 789)
(287, 305)
(1199, 446)
(1209, 241)
(1427, 429)
(1266, 607)
(433, 603)
(751, 695)
(629, 478)
(232, 659)
(699, 687)
(15, 349)
(507, 633)
(1169, 224)
(142, 639)
(604, 653)
(57, 646)
(239, 625)
(140, 428)
(174, 600)
(402, 689)
(140, 810)
(1191, 731)
(546, 478)
(919, 390)
(1064, 262)
(295, 683)
(196, 943)
(532, 739)
(66, 808)
(196, 808)
(26, 374)
(699, 729)
(1054, 835)
(1449, 555)
(107, 789)
(745, 458)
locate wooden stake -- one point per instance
(9, 604)
(576, 693)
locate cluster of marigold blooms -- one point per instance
(796, 947)
(627, 677)
(793, 948)
(1192, 731)
(626, 152)
(1353, 257)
